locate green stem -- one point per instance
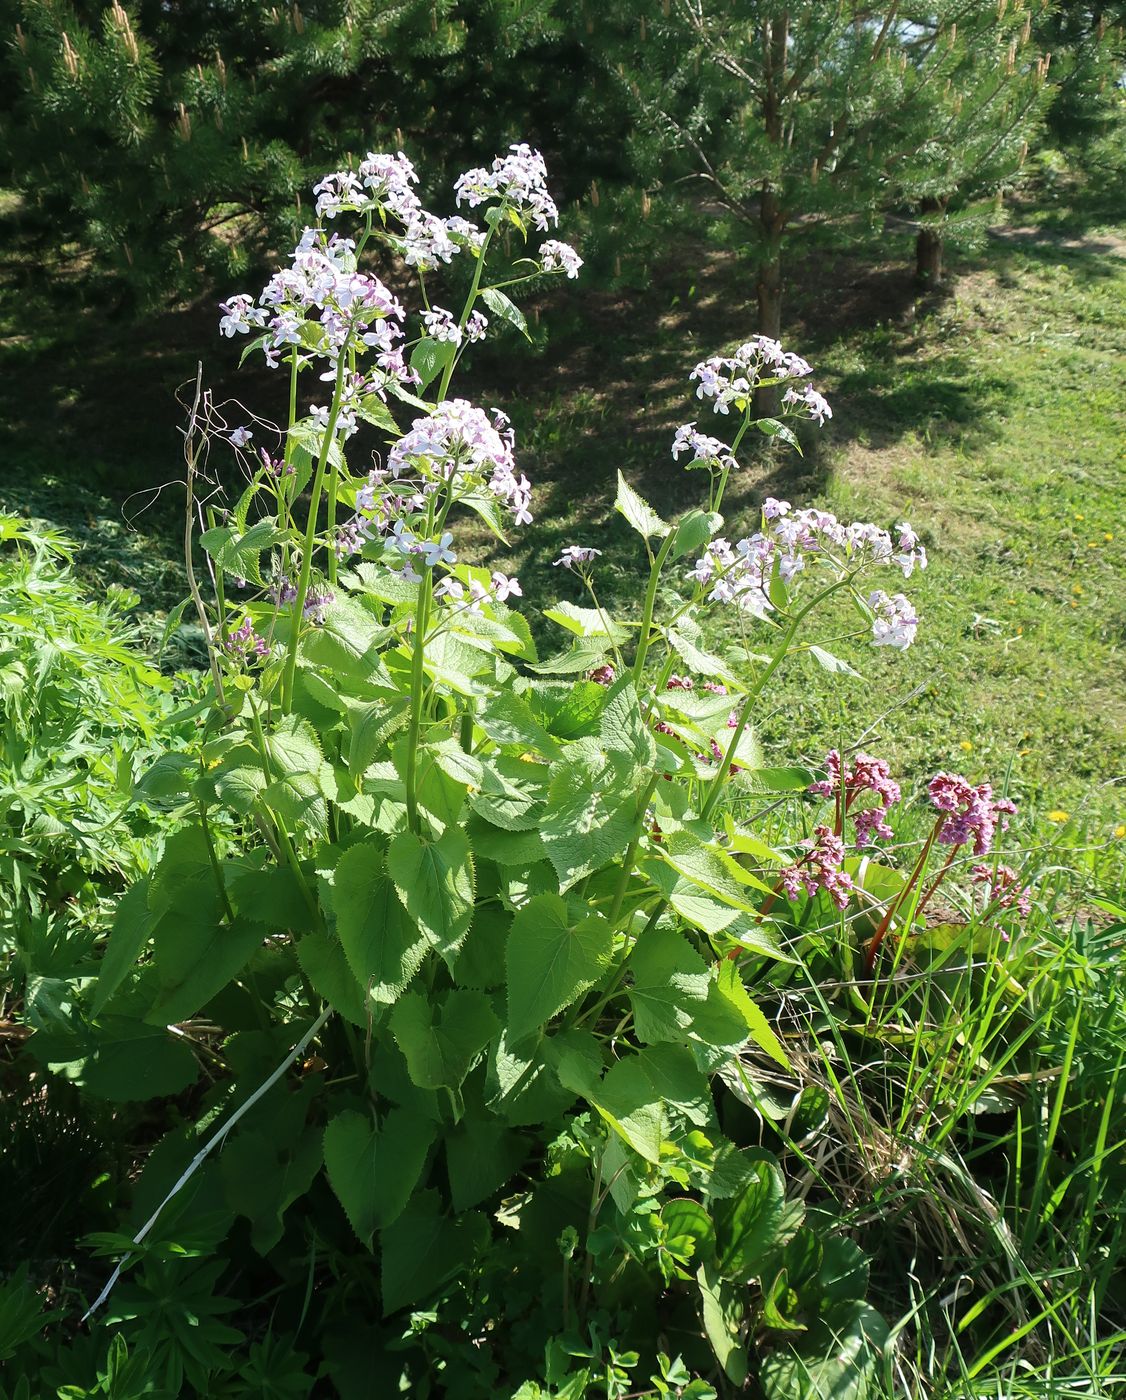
(756, 690)
(215, 867)
(631, 851)
(310, 537)
(647, 612)
(474, 286)
(418, 681)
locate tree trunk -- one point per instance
(928, 257)
(929, 246)
(769, 291)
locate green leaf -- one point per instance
(668, 975)
(131, 1061)
(430, 357)
(782, 779)
(586, 622)
(638, 512)
(689, 1231)
(723, 1312)
(434, 880)
(833, 664)
(509, 720)
(264, 1173)
(442, 1042)
(171, 775)
(588, 818)
(324, 964)
(693, 531)
(481, 1155)
(133, 924)
(551, 960)
(372, 725)
(771, 427)
(711, 869)
(838, 1357)
(698, 660)
(383, 947)
(731, 987)
(423, 1249)
(240, 555)
(195, 956)
(748, 1225)
(512, 793)
(504, 307)
(623, 731)
(348, 642)
(586, 654)
(374, 1170)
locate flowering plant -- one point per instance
(495, 890)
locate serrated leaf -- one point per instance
(434, 880)
(429, 359)
(833, 664)
(133, 924)
(196, 955)
(383, 947)
(551, 959)
(423, 1248)
(693, 531)
(731, 987)
(374, 1170)
(638, 512)
(586, 622)
(441, 1042)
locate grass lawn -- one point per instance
(990, 416)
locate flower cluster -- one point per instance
(701, 448)
(472, 595)
(244, 644)
(560, 257)
(740, 573)
(458, 446)
(519, 178)
(732, 379)
(1004, 888)
(819, 869)
(848, 783)
(574, 556)
(972, 813)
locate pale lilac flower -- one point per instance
(240, 315)
(809, 403)
(573, 556)
(462, 229)
(774, 509)
(239, 437)
(700, 447)
(426, 243)
(732, 379)
(504, 587)
(604, 675)
(435, 552)
(317, 601)
(561, 257)
(912, 554)
(450, 588)
(440, 325)
(476, 327)
(245, 644)
(895, 623)
(519, 178)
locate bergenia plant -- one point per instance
(504, 895)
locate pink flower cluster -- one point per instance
(972, 813)
(864, 775)
(819, 869)
(1005, 888)
(245, 644)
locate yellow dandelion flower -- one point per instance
(1120, 831)
(1059, 816)
(1077, 589)
(1108, 535)
(965, 745)
(1092, 544)
(1079, 515)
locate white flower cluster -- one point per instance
(559, 257)
(741, 573)
(472, 595)
(732, 379)
(458, 445)
(519, 178)
(701, 448)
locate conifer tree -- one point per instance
(177, 139)
(795, 114)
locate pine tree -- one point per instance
(979, 86)
(795, 114)
(178, 140)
